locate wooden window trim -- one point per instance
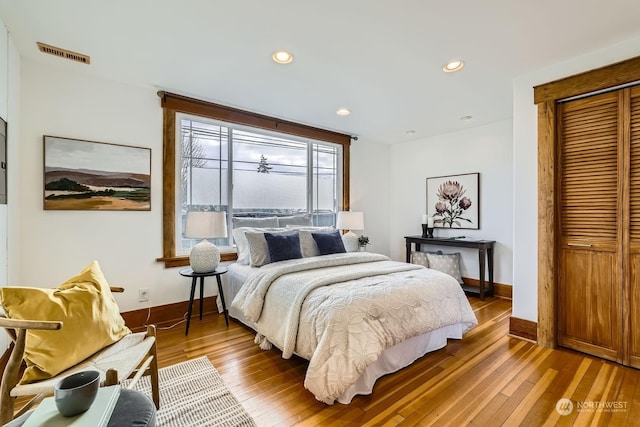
(546, 96)
(172, 104)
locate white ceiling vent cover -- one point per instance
(63, 53)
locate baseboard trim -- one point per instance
(163, 315)
(524, 329)
(499, 289)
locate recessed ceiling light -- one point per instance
(452, 66)
(282, 56)
(343, 111)
(466, 118)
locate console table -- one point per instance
(483, 247)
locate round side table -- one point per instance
(188, 272)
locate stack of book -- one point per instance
(98, 414)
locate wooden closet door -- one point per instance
(633, 312)
(590, 211)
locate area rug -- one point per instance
(193, 394)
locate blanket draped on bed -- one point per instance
(372, 304)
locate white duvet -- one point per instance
(342, 311)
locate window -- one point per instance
(219, 158)
(269, 174)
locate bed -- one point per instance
(354, 316)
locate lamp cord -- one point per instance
(164, 328)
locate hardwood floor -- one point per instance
(485, 379)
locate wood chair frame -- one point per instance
(17, 330)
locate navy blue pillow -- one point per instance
(329, 243)
(283, 246)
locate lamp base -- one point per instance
(204, 257)
(350, 241)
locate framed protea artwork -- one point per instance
(453, 201)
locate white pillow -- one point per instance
(311, 228)
(242, 244)
(420, 258)
(241, 221)
(447, 263)
(308, 245)
(303, 220)
(258, 248)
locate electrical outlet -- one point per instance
(143, 295)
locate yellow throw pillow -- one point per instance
(90, 315)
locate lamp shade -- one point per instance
(205, 225)
(348, 220)
(205, 256)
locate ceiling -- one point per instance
(381, 59)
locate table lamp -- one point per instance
(205, 256)
(348, 220)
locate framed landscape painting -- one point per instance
(453, 201)
(86, 175)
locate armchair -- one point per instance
(132, 356)
(38, 344)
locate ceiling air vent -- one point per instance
(63, 53)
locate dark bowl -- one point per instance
(75, 394)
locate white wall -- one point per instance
(57, 244)
(13, 162)
(487, 150)
(4, 113)
(370, 191)
(387, 183)
(10, 111)
(4, 71)
(525, 141)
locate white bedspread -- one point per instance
(372, 304)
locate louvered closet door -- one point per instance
(633, 332)
(589, 211)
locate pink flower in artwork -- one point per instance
(450, 190)
(465, 203)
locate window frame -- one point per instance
(173, 104)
